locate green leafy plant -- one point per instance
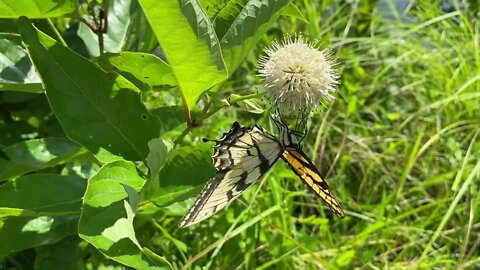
(104, 104)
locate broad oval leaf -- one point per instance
(96, 109)
(36, 9)
(190, 44)
(146, 71)
(107, 215)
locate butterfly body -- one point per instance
(241, 156)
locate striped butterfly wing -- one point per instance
(304, 168)
(240, 157)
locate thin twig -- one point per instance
(89, 24)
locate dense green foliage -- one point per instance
(101, 150)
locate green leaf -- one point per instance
(16, 212)
(36, 9)
(253, 21)
(96, 109)
(120, 14)
(146, 71)
(107, 186)
(105, 215)
(226, 15)
(123, 228)
(292, 10)
(190, 44)
(49, 202)
(16, 69)
(141, 37)
(36, 154)
(250, 105)
(172, 117)
(21, 233)
(61, 255)
(186, 168)
(22, 87)
(157, 157)
(44, 193)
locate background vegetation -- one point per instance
(101, 139)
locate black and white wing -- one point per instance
(240, 157)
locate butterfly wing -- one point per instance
(240, 157)
(304, 168)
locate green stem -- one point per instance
(55, 31)
(100, 42)
(204, 116)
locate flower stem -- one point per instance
(206, 114)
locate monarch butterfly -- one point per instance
(242, 156)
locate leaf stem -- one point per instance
(102, 25)
(55, 31)
(101, 45)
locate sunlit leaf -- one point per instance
(146, 71)
(36, 9)
(190, 44)
(106, 221)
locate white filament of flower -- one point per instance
(298, 77)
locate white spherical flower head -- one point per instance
(298, 77)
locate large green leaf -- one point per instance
(146, 71)
(36, 9)
(190, 44)
(107, 217)
(36, 154)
(16, 69)
(249, 26)
(96, 109)
(38, 209)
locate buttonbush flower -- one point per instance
(298, 77)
